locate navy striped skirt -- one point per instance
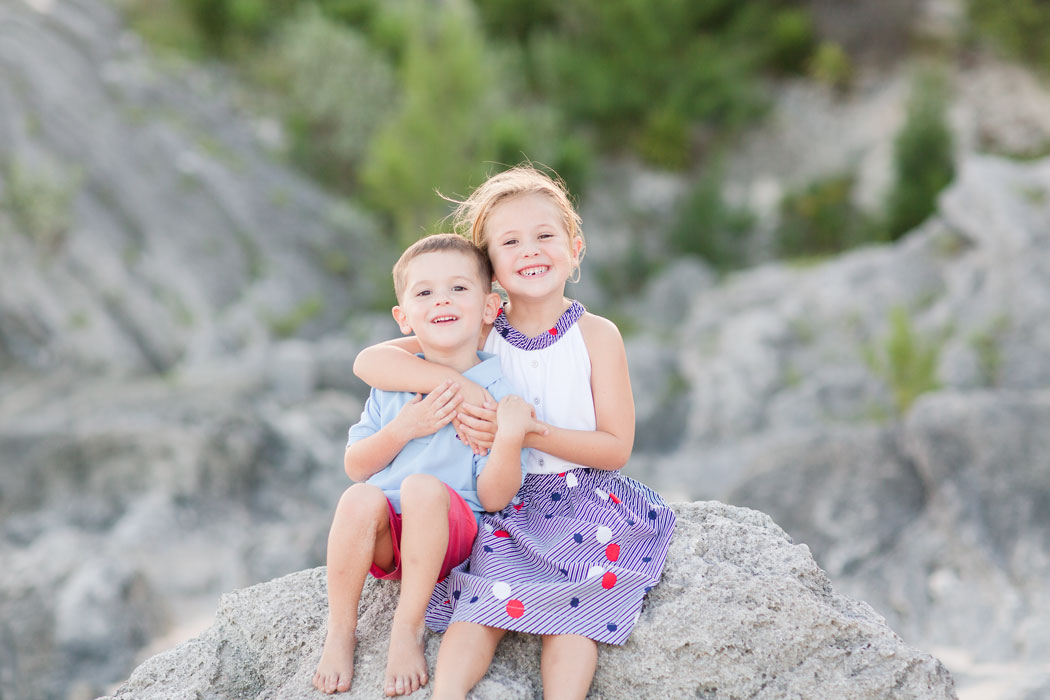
(574, 553)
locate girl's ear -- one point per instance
(577, 246)
(402, 320)
(492, 303)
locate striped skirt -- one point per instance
(574, 553)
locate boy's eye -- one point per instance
(459, 288)
(546, 235)
(510, 241)
(423, 293)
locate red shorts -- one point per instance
(462, 529)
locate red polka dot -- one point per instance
(501, 533)
(608, 580)
(517, 506)
(612, 552)
(553, 331)
(562, 474)
(515, 608)
(614, 498)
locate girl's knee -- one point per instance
(424, 489)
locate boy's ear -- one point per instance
(402, 320)
(492, 304)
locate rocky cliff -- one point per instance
(742, 612)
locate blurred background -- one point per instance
(823, 228)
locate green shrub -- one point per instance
(906, 361)
(39, 202)
(923, 161)
(830, 65)
(707, 227)
(1019, 27)
(821, 219)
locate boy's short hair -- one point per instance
(441, 242)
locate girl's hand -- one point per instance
(425, 416)
(476, 424)
(515, 417)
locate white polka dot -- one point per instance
(603, 535)
(595, 571)
(489, 527)
(515, 501)
(501, 590)
(570, 480)
(602, 494)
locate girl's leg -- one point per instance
(567, 666)
(464, 656)
(360, 534)
(424, 539)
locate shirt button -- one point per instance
(535, 363)
(541, 461)
(536, 401)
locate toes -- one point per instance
(343, 684)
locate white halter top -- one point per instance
(552, 371)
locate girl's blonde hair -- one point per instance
(471, 215)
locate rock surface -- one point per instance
(742, 612)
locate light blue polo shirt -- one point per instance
(440, 454)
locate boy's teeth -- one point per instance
(440, 319)
(533, 271)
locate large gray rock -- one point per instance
(742, 612)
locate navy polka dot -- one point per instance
(563, 572)
(648, 588)
(473, 599)
(578, 537)
(574, 602)
(487, 548)
(548, 516)
(630, 522)
(652, 515)
(611, 626)
(555, 496)
(455, 594)
(647, 559)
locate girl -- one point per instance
(573, 556)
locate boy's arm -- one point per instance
(609, 445)
(501, 477)
(419, 417)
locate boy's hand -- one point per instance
(516, 417)
(425, 416)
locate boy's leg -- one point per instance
(464, 656)
(425, 502)
(360, 535)
(567, 665)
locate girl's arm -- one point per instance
(609, 445)
(394, 366)
(501, 477)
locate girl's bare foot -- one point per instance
(336, 667)
(406, 666)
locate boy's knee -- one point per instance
(424, 489)
(364, 500)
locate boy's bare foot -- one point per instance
(406, 667)
(336, 667)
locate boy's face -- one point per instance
(444, 302)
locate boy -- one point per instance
(414, 517)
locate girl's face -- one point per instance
(529, 246)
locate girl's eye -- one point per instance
(510, 241)
(546, 235)
(459, 288)
(423, 293)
